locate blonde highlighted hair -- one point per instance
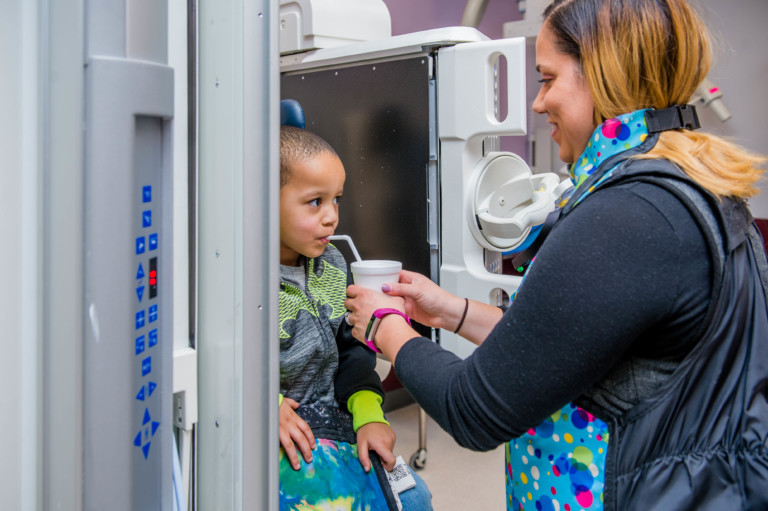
(639, 54)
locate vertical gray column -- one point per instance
(237, 256)
(260, 256)
(62, 313)
(127, 352)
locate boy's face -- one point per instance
(309, 207)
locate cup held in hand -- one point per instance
(375, 272)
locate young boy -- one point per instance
(312, 292)
(323, 369)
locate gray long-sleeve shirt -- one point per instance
(320, 361)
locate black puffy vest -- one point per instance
(700, 442)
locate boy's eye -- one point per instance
(314, 202)
(337, 200)
(545, 81)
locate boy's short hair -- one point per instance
(297, 144)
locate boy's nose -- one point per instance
(331, 217)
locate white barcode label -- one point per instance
(400, 478)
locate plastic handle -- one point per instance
(467, 91)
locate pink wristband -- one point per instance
(373, 325)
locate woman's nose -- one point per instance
(538, 103)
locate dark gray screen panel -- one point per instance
(376, 116)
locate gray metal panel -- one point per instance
(260, 254)
(238, 244)
(105, 27)
(21, 207)
(146, 30)
(127, 381)
(62, 309)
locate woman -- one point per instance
(616, 375)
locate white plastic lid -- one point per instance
(376, 267)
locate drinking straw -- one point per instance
(348, 240)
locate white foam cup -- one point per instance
(373, 273)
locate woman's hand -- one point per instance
(294, 429)
(361, 303)
(426, 302)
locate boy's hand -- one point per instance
(379, 437)
(294, 429)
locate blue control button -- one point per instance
(153, 313)
(140, 272)
(146, 366)
(140, 395)
(140, 245)
(152, 337)
(140, 292)
(153, 241)
(140, 345)
(145, 434)
(146, 218)
(146, 194)
(152, 387)
(139, 319)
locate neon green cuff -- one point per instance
(365, 407)
(279, 399)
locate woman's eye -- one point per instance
(545, 81)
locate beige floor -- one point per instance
(459, 479)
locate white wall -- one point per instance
(741, 71)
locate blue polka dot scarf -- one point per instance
(559, 464)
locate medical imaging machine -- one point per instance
(141, 183)
(415, 119)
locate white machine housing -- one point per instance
(312, 24)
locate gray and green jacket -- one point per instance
(320, 362)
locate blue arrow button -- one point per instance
(152, 387)
(152, 337)
(146, 219)
(146, 366)
(140, 345)
(140, 395)
(140, 272)
(140, 292)
(139, 319)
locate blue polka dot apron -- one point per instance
(559, 465)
